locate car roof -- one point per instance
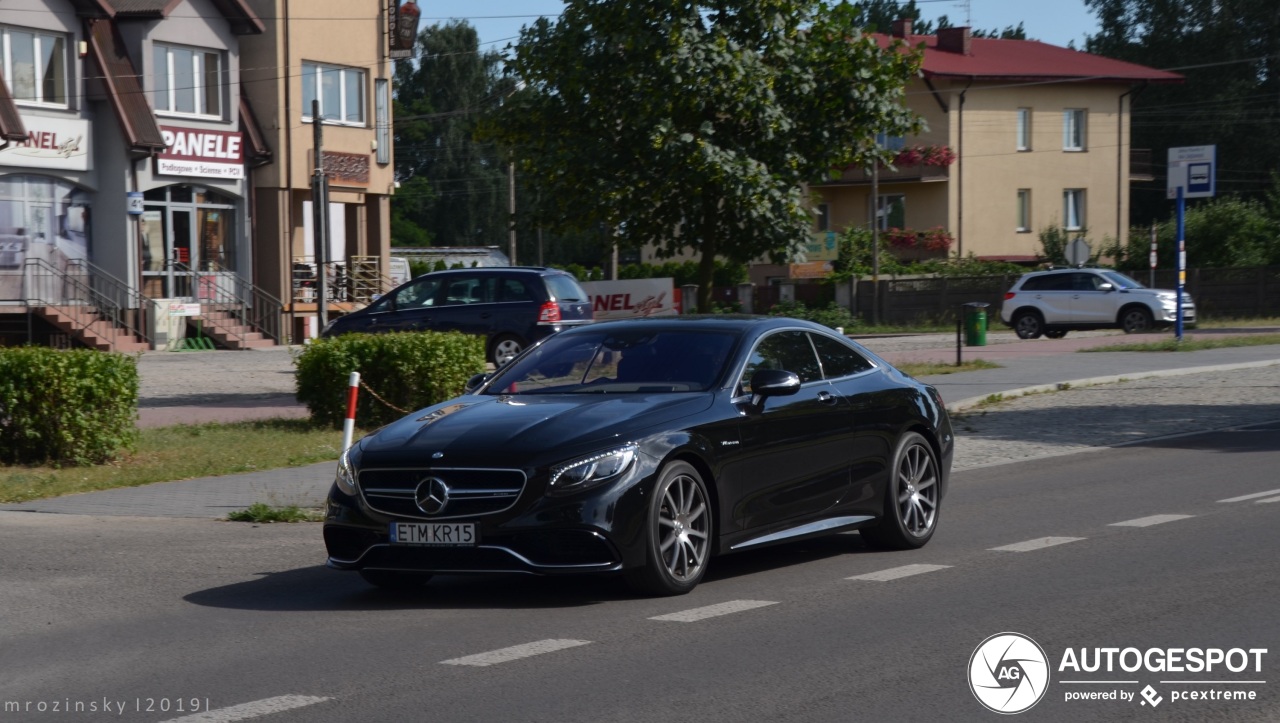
(496, 269)
(705, 322)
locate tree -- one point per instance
(1231, 96)
(878, 16)
(696, 125)
(453, 187)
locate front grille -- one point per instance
(471, 492)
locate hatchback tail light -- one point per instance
(549, 313)
(1009, 295)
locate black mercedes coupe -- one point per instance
(647, 447)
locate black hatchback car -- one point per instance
(646, 447)
(511, 306)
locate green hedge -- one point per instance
(409, 370)
(66, 407)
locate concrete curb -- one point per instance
(971, 402)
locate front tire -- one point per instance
(1028, 325)
(677, 534)
(912, 499)
(1136, 320)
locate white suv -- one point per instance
(1055, 302)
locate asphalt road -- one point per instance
(245, 621)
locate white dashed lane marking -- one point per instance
(1254, 496)
(712, 611)
(515, 652)
(1270, 499)
(245, 711)
(895, 573)
(1149, 521)
(1037, 544)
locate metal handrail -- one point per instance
(252, 307)
(46, 285)
(113, 288)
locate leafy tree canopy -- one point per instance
(1228, 50)
(878, 15)
(695, 125)
(453, 188)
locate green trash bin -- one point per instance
(975, 323)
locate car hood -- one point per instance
(524, 430)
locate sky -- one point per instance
(1057, 22)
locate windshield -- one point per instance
(619, 361)
(1121, 281)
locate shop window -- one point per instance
(34, 66)
(188, 81)
(339, 90)
(42, 218)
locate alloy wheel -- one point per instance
(684, 525)
(917, 491)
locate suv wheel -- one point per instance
(1136, 319)
(505, 347)
(1028, 324)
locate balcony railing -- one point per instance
(1141, 167)
(919, 173)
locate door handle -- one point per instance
(826, 398)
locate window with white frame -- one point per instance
(1073, 208)
(891, 211)
(34, 64)
(188, 81)
(339, 90)
(1024, 129)
(1024, 210)
(1073, 125)
(382, 117)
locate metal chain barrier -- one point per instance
(380, 399)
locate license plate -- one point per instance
(455, 534)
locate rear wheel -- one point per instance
(504, 348)
(911, 500)
(395, 580)
(677, 532)
(1028, 325)
(1136, 319)
(1055, 334)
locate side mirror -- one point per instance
(773, 383)
(474, 382)
(1105, 286)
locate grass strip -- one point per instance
(1193, 343)
(166, 454)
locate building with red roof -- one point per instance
(1021, 136)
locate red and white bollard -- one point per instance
(349, 424)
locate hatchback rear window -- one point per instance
(564, 288)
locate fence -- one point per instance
(1219, 293)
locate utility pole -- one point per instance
(511, 206)
(320, 218)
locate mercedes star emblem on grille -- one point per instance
(432, 495)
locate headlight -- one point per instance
(587, 472)
(346, 477)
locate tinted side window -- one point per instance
(419, 294)
(1035, 283)
(787, 350)
(469, 290)
(837, 359)
(514, 290)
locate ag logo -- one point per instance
(1008, 673)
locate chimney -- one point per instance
(955, 40)
(902, 28)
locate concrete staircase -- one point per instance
(228, 332)
(84, 324)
